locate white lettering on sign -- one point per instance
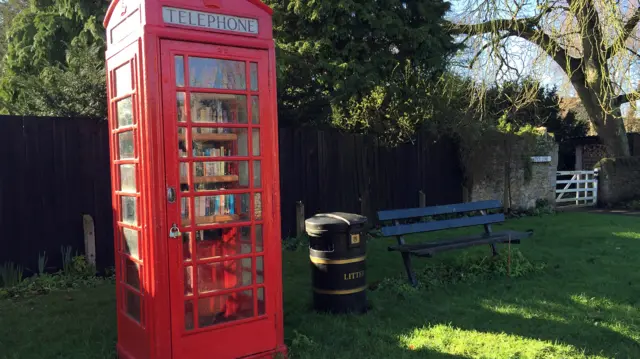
(207, 20)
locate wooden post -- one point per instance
(365, 209)
(300, 218)
(89, 239)
(422, 199)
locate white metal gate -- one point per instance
(577, 188)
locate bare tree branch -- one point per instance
(625, 98)
(633, 52)
(491, 42)
(526, 29)
(618, 44)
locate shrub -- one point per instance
(466, 268)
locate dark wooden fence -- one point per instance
(330, 171)
(55, 170)
(52, 171)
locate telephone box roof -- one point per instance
(208, 3)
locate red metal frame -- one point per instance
(138, 37)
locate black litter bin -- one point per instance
(338, 252)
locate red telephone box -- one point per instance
(194, 153)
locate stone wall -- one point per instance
(618, 180)
(525, 190)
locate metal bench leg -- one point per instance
(493, 249)
(406, 258)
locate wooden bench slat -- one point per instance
(432, 211)
(515, 236)
(403, 229)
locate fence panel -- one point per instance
(52, 171)
(332, 171)
(55, 170)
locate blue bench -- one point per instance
(409, 221)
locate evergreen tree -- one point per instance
(55, 47)
(359, 64)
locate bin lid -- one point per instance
(334, 221)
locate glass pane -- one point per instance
(257, 176)
(126, 146)
(188, 315)
(128, 209)
(133, 304)
(132, 273)
(225, 308)
(186, 246)
(123, 80)
(223, 242)
(130, 242)
(219, 175)
(188, 280)
(218, 108)
(261, 302)
(222, 208)
(257, 205)
(182, 109)
(219, 142)
(184, 212)
(255, 110)
(182, 142)
(260, 270)
(128, 178)
(255, 141)
(224, 275)
(254, 76)
(179, 71)
(184, 179)
(217, 74)
(259, 240)
(125, 112)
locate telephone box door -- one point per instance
(219, 189)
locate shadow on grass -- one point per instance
(499, 328)
(587, 330)
(521, 318)
(584, 304)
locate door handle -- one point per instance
(171, 195)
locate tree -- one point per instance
(78, 89)
(593, 42)
(8, 11)
(631, 121)
(358, 64)
(54, 62)
(540, 109)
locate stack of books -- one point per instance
(212, 113)
(215, 205)
(212, 169)
(211, 152)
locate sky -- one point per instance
(524, 56)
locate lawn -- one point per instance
(584, 304)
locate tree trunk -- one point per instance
(614, 137)
(608, 124)
(610, 129)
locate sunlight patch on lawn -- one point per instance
(607, 313)
(542, 310)
(630, 235)
(474, 344)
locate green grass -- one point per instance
(584, 304)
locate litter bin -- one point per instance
(338, 252)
